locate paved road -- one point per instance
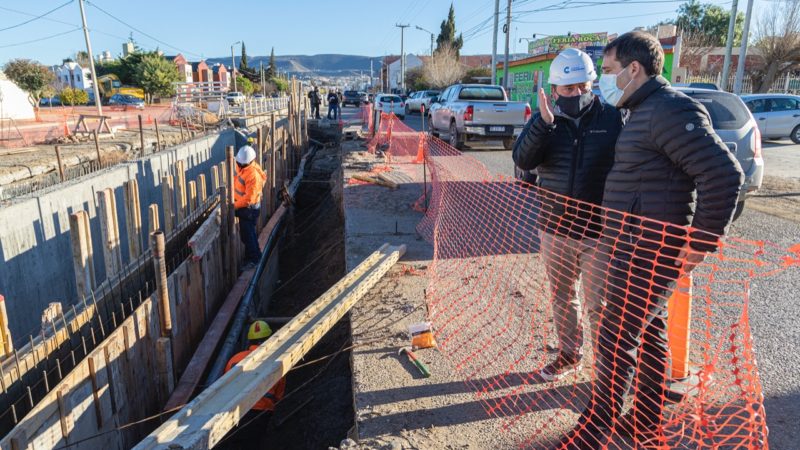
(774, 311)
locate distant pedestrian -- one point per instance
(333, 106)
(315, 100)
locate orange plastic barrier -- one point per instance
(521, 274)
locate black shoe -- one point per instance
(565, 364)
(644, 435)
(586, 437)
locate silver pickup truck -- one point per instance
(477, 112)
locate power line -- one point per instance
(140, 31)
(35, 18)
(41, 39)
(595, 19)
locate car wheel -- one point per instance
(795, 137)
(455, 140)
(508, 143)
(739, 209)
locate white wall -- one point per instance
(412, 61)
(14, 102)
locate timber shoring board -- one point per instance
(205, 420)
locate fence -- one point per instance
(501, 306)
(785, 84)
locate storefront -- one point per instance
(530, 74)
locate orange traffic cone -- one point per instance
(149, 119)
(66, 128)
(420, 150)
(679, 319)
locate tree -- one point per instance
(777, 35)
(31, 76)
(272, 70)
(244, 85)
(443, 68)
(415, 79)
(156, 76)
(82, 58)
(73, 96)
(473, 75)
(280, 84)
(703, 27)
(243, 61)
(447, 35)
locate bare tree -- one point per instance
(443, 68)
(777, 35)
(695, 44)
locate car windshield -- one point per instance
(391, 99)
(350, 93)
(726, 111)
(481, 93)
(432, 94)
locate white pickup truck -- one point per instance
(478, 112)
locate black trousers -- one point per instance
(315, 110)
(633, 339)
(248, 218)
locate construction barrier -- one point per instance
(655, 366)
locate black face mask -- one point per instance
(575, 106)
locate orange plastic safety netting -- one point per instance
(573, 324)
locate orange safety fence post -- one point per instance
(679, 318)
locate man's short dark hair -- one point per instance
(641, 47)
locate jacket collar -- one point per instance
(651, 86)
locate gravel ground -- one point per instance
(773, 215)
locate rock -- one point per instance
(348, 444)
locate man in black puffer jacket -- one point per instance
(673, 189)
(572, 151)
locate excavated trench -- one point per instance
(317, 410)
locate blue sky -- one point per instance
(204, 28)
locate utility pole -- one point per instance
(371, 77)
(233, 65)
(726, 66)
(98, 103)
(494, 40)
(261, 71)
(508, 36)
(737, 85)
(402, 57)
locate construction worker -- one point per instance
(257, 418)
(315, 99)
(248, 186)
(333, 105)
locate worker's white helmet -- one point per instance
(572, 66)
(246, 155)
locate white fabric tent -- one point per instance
(14, 102)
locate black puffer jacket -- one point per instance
(671, 166)
(571, 160)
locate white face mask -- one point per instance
(608, 87)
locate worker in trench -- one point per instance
(255, 421)
(248, 187)
(570, 142)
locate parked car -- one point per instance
(478, 112)
(777, 115)
(697, 85)
(259, 96)
(235, 98)
(737, 128)
(420, 98)
(126, 100)
(351, 97)
(387, 103)
(50, 101)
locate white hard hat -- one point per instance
(246, 155)
(571, 66)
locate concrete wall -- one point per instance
(35, 250)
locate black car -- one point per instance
(352, 97)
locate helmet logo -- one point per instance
(568, 69)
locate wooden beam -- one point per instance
(162, 288)
(153, 222)
(205, 420)
(106, 211)
(180, 192)
(6, 345)
(82, 253)
(202, 191)
(133, 218)
(192, 200)
(168, 201)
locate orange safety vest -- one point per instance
(268, 401)
(248, 185)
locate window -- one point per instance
(725, 109)
(757, 106)
(482, 93)
(782, 104)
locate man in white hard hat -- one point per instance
(247, 188)
(571, 146)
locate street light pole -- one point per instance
(402, 57)
(233, 65)
(95, 88)
(432, 36)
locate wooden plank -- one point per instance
(168, 201)
(162, 288)
(6, 345)
(215, 183)
(192, 200)
(133, 218)
(82, 253)
(180, 192)
(203, 238)
(109, 232)
(152, 219)
(205, 420)
(202, 192)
